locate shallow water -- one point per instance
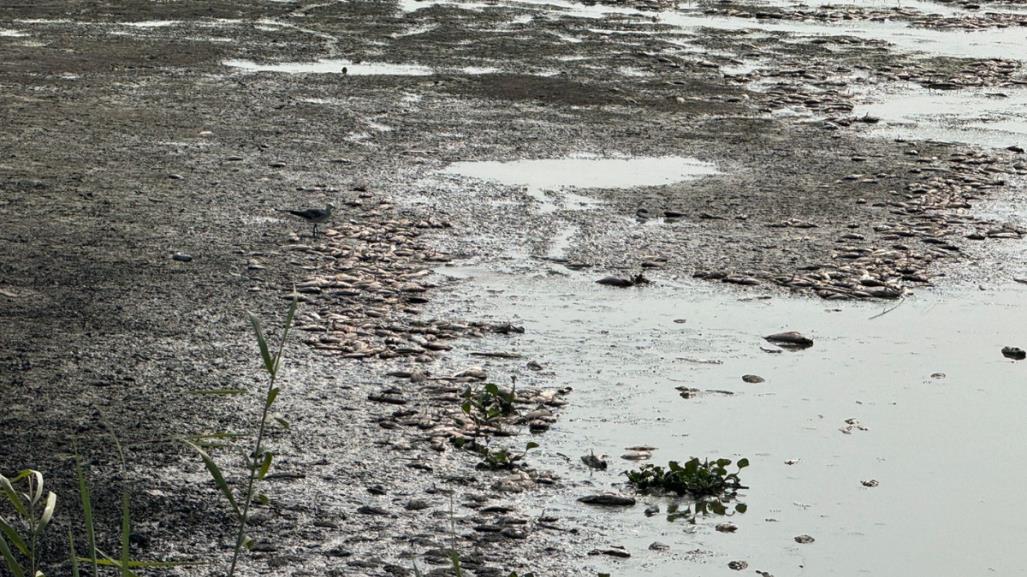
(546, 180)
(994, 117)
(333, 66)
(945, 449)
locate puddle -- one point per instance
(945, 450)
(545, 179)
(334, 66)
(979, 117)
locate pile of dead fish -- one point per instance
(371, 275)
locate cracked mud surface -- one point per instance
(124, 144)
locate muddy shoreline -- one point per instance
(128, 139)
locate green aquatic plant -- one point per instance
(696, 478)
(258, 460)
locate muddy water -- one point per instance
(994, 118)
(941, 409)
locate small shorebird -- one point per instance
(314, 216)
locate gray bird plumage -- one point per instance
(314, 216)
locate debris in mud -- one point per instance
(657, 546)
(608, 500)
(636, 280)
(853, 425)
(870, 483)
(726, 527)
(182, 257)
(804, 539)
(637, 455)
(792, 340)
(753, 379)
(651, 510)
(738, 565)
(1014, 353)
(687, 392)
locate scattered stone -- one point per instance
(853, 425)
(1014, 353)
(608, 499)
(753, 379)
(937, 375)
(182, 257)
(534, 366)
(804, 539)
(372, 510)
(416, 505)
(726, 527)
(790, 340)
(657, 546)
(870, 483)
(738, 565)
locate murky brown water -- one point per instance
(946, 449)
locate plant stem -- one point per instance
(241, 536)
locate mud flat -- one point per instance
(148, 151)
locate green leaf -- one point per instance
(48, 510)
(219, 479)
(12, 563)
(269, 364)
(466, 407)
(126, 531)
(13, 496)
(13, 536)
(87, 512)
(285, 332)
(72, 555)
(265, 466)
(743, 463)
(271, 396)
(741, 507)
(531, 445)
(492, 389)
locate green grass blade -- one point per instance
(87, 513)
(12, 563)
(269, 364)
(285, 332)
(13, 536)
(126, 531)
(143, 564)
(73, 554)
(265, 466)
(219, 479)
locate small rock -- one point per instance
(657, 546)
(727, 527)
(182, 257)
(738, 565)
(372, 510)
(937, 375)
(1014, 353)
(752, 379)
(804, 539)
(534, 366)
(608, 499)
(651, 510)
(870, 483)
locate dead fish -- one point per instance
(608, 499)
(790, 340)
